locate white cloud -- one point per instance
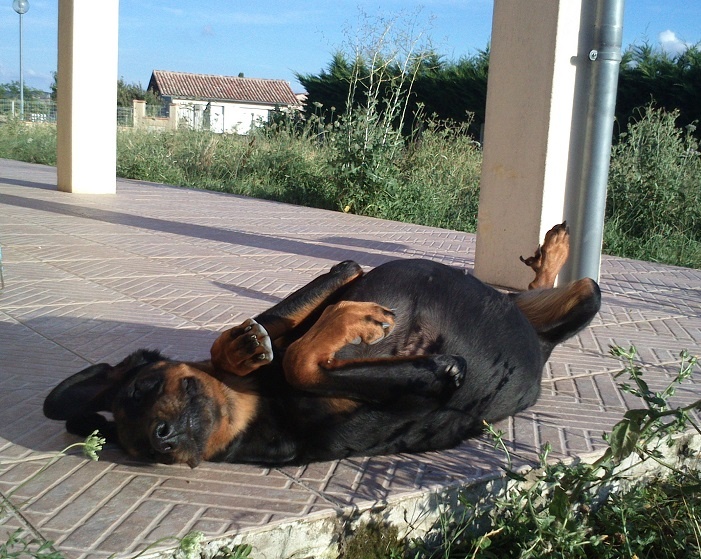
(672, 44)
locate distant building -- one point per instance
(221, 103)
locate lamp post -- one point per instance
(21, 7)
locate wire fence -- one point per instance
(196, 116)
(33, 111)
(45, 111)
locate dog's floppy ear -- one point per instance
(93, 389)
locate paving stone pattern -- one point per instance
(90, 278)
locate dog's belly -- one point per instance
(442, 310)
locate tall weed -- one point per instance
(366, 140)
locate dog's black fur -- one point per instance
(460, 353)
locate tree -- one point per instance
(54, 86)
(127, 92)
(669, 81)
(456, 90)
(11, 91)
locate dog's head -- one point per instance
(163, 410)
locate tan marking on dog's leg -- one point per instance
(339, 325)
(549, 257)
(547, 306)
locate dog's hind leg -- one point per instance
(311, 364)
(559, 313)
(248, 346)
(549, 257)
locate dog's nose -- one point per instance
(163, 437)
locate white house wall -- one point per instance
(223, 117)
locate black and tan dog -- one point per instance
(412, 356)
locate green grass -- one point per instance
(33, 143)
(654, 195)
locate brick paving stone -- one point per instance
(92, 278)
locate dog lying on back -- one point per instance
(409, 357)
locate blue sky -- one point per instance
(273, 39)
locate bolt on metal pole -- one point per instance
(588, 203)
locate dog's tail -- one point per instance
(559, 313)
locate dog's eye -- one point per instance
(190, 385)
(142, 387)
(136, 394)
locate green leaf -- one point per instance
(624, 436)
(560, 504)
(514, 475)
(637, 415)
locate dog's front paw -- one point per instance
(242, 349)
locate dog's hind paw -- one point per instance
(452, 368)
(374, 323)
(351, 322)
(549, 257)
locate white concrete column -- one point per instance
(530, 100)
(87, 96)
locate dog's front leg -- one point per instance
(248, 346)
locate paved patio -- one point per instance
(91, 278)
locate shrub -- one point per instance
(30, 142)
(654, 193)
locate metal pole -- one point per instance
(21, 73)
(589, 202)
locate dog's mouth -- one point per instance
(175, 442)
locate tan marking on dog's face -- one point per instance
(238, 410)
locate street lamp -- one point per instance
(21, 7)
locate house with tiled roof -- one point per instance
(221, 103)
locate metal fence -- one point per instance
(125, 116)
(45, 111)
(195, 116)
(34, 110)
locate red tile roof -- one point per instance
(181, 85)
